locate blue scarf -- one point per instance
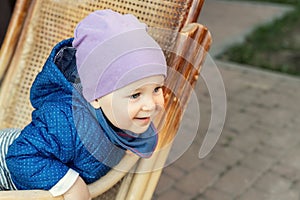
(141, 144)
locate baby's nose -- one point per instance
(149, 104)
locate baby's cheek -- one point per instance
(161, 101)
(132, 111)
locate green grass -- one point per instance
(275, 46)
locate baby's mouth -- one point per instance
(143, 120)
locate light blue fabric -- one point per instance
(65, 131)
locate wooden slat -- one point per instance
(12, 35)
(195, 11)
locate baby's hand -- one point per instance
(79, 191)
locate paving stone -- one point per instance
(249, 94)
(296, 186)
(214, 194)
(253, 194)
(271, 100)
(278, 118)
(228, 156)
(227, 137)
(173, 172)
(238, 122)
(269, 151)
(286, 142)
(290, 195)
(292, 158)
(284, 97)
(199, 197)
(173, 194)
(256, 78)
(294, 124)
(260, 163)
(214, 165)
(262, 134)
(272, 183)
(233, 109)
(196, 181)
(189, 160)
(236, 181)
(290, 85)
(286, 171)
(256, 110)
(259, 195)
(165, 183)
(247, 141)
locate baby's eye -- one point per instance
(135, 96)
(157, 89)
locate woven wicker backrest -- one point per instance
(50, 21)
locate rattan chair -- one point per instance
(37, 25)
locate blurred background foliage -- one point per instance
(275, 46)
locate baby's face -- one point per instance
(134, 106)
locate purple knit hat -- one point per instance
(114, 50)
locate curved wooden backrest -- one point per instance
(43, 23)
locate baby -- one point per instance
(94, 99)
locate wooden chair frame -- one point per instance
(135, 185)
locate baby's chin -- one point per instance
(139, 129)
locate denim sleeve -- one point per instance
(95, 154)
(38, 157)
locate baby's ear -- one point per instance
(96, 104)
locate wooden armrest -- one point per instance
(113, 176)
(28, 194)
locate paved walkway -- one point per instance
(257, 155)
